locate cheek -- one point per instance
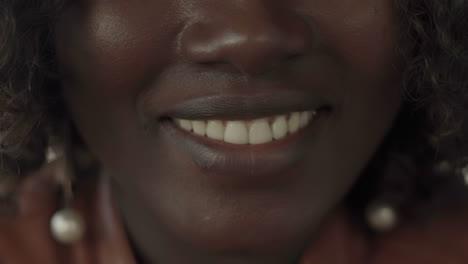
(110, 46)
(96, 52)
(362, 33)
(109, 55)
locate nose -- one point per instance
(253, 38)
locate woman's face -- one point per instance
(133, 68)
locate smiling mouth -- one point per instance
(245, 141)
(249, 132)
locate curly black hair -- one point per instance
(431, 126)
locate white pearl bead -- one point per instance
(67, 226)
(382, 217)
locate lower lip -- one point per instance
(260, 165)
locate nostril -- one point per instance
(255, 44)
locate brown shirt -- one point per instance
(25, 237)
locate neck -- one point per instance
(151, 244)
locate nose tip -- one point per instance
(252, 45)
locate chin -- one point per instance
(246, 233)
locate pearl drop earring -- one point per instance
(381, 217)
(67, 226)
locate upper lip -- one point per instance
(242, 107)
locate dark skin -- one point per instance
(130, 65)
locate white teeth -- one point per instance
(215, 129)
(280, 127)
(199, 127)
(304, 119)
(294, 122)
(185, 124)
(236, 132)
(259, 131)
